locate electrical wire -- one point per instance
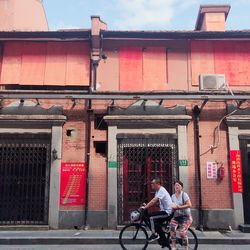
(218, 127)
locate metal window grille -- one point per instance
(24, 179)
(140, 159)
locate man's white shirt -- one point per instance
(165, 200)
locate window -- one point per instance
(99, 122)
(100, 147)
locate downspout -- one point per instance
(88, 143)
(92, 88)
(94, 67)
(196, 112)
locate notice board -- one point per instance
(212, 168)
(73, 183)
(236, 171)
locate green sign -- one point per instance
(112, 164)
(183, 163)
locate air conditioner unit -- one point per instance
(212, 82)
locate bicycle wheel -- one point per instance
(133, 237)
(192, 240)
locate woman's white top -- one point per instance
(181, 200)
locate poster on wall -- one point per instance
(212, 168)
(236, 171)
(73, 183)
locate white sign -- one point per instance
(212, 170)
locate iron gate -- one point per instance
(24, 179)
(140, 159)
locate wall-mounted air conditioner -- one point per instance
(212, 82)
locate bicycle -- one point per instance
(134, 235)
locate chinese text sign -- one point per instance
(73, 183)
(236, 171)
(212, 170)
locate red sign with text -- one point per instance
(236, 171)
(73, 183)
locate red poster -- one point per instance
(73, 183)
(236, 171)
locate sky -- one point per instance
(140, 14)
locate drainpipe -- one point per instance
(196, 112)
(95, 64)
(93, 81)
(88, 144)
(88, 147)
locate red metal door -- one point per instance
(139, 165)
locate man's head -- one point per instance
(156, 184)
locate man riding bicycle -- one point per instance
(156, 218)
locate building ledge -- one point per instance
(241, 121)
(159, 121)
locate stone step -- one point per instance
(119, 227)
(24, 228)
(245, 228)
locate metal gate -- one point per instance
(140, 159)
(24, 179)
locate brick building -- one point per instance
(89, 117)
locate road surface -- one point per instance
(112, 247)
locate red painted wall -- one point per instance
(143, 68)
(31, 64)
(130, 60)
(45, 63)
(231, 58)
(202, 59)
(155, 68)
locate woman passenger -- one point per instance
(182, 215)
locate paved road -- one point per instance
(112, 247)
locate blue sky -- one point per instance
(139, 14)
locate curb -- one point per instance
(105, 241)
(224, 241)
(58, 241)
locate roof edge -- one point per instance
(46, 35)
(192, 34)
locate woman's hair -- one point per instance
(179, 182)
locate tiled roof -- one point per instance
(46, 35)
(176, 34)
(79, 34)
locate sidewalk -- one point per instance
(97, 237)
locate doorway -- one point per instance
(245, 153)
(141, 159)
(24, 179)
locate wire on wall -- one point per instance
(218, 127)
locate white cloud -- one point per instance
(63, 26)
(136, 14)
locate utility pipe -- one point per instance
(196, 112)
(120, 95)
(88, 145)
(92, 87)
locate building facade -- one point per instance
(89, 117)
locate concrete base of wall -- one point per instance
(215, 218)
(195, 217)
(98, 219)
(71, 219)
